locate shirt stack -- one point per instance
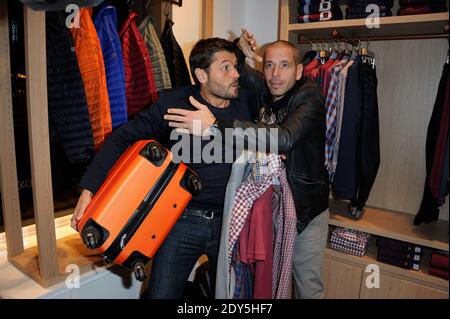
(358, 9)
(439, 264)
(350, 241)
(398, 253)
(411, 7)
(318, 10)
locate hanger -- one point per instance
(346, 48)
(368, 56)
(131, 4)
(355, 50)
(323, 54)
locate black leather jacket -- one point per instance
(301, 124)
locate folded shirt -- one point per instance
(398, 246)
(316, 7)
(322, 16)
(421, 9)
(438, 272)
(407, 264)
(387, 13)
(387, 3)
(350, 241)
(404, 3)
(402, 256)
(348, 249)
(362, 9)
(439, 261)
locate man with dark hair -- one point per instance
(297, 106)
(213, 65)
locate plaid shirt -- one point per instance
(243, 287)
(335, 148)
(350, 241)
(284, 220)
(265, 169)
(332, 105)
(247, 193)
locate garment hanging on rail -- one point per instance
(69, 120)
(178, 70)
(240, 262)
(92, 68)
(159, 64)
(436, 181)
(106, 25)
(352, 151)
(140, 84)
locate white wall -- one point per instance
(258, 16)
(187, 27)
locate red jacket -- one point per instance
(139, 82)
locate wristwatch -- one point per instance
(214, 128)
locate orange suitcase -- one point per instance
(137, 205)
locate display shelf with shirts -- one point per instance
(410, 69)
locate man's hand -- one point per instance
(195, 122)
(247, 43)
(83, 202)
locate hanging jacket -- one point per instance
(159, 65)
(58, 5)
(92, 68)
(429, 207)
(179, 73)
(140, 84)
(105, 24)
(67, 106)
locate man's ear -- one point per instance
(201, 75)
(299, 72)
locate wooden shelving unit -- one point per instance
(420, 277)
(422, 25)
(393, 225)
(344, 274)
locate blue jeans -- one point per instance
(191, 237)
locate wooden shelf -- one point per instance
(393, 225)
(420, 276)
(432, 25)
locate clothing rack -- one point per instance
(377, 38)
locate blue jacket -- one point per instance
(105, 24)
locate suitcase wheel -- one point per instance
(91, 237)
(139, 272)
(195, 186)
(154, 152)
